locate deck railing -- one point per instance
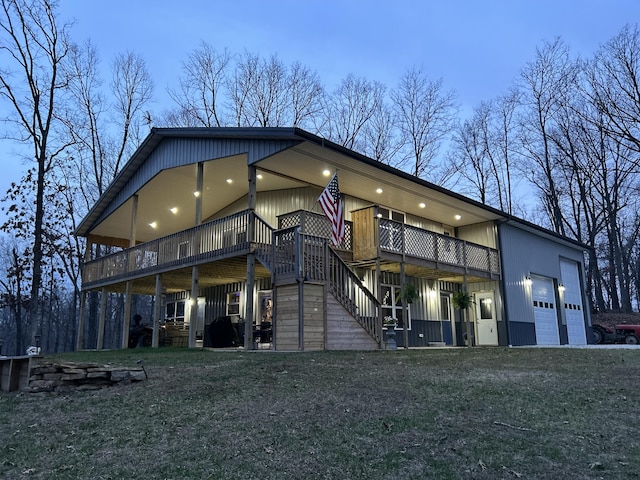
(218, 239)
(316, 224)
(396, 237)
(309, 258)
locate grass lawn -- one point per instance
(418, 414)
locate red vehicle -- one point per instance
(629, 334)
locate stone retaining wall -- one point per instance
(67, 376)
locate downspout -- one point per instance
(501, 284)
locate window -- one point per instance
(392, 305)
(389, 214)
(174, 313)
(233, 303)
(485, 309)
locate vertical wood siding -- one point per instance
(286, 318)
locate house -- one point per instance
(223, 227)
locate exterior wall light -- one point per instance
(561, 288)
(527, 281)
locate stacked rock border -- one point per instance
(68, 376)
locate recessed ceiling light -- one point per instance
(153, 224)
(174, 210)
(458, 217)
(378, 190)
(229, 181)
(259, 176)
(196, 193)
(326, 173)
(422, 205)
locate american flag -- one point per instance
(331, 204)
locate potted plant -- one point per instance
(391, 323)
(462, 300)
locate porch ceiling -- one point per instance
(295, 167)
(306, 162)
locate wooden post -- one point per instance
(134, 216)
(405, 307)
(157, 313)
(193, 307)
(465, 317)
(101, 319)
(251, 262)
(193, 301)
(378, 288)
(127, 316)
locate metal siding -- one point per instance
(278, 202)
(522, 333)
(523, 253)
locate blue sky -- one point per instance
(476, 47)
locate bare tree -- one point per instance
(204, 80)
(305, 94)
(33, 48)
(348, 109)
(380, 140)
(614, 79)
(240, 85)
(501, 146)
(470, 153)
(425, 114)
(545, 86)
(132, 89)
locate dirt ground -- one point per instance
(613, 318)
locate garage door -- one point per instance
(573, 308)
(544, 311)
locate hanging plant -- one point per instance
(462, 300)
(410, 293)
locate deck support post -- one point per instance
(101, 319)
(157, 312)
(251, 260)
(127, 315)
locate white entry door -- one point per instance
(486, 325)
(544, 311)
(573, 309)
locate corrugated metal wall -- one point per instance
(522, 254)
